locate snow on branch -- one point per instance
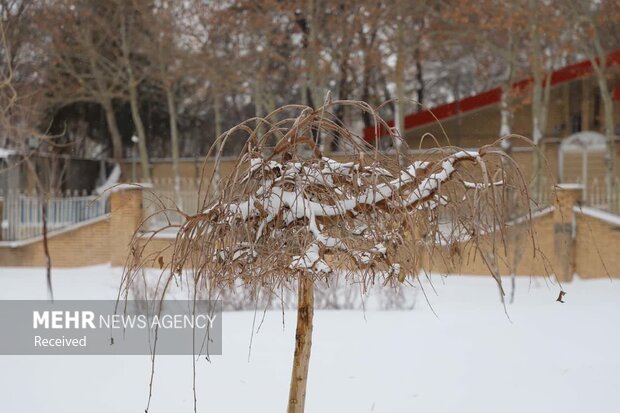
(289, 210)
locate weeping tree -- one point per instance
(288, 217)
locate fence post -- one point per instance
(567, 197)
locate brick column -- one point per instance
(567, 196)
(126, 216)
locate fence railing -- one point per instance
(597, 197)
(162, 200)
(22, 212)
(595, 194)
(163, 196)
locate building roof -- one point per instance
(493, 96)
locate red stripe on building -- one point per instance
(493, 96)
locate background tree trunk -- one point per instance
(419, 75)
(540, 101)
(608, 120)
(174, 137)
(597, 55)
(399, 81)
(137, 121)
(115, 135)
(132, 86)
(217, 109)
(611, 145)
(46, 250)
(303, 344)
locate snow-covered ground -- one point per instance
(549, 357)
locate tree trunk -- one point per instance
(174, 137)
(399, 80)
(538, 116)
(46, 251)
(115, 135)
(303, 344)
(537, 138)
(505, 128)
(366, 116)
(600, 68)
(103, 97)
(312, 59)
(132, 85)
(608, 115)
(611, 151)
(217, 109)
(399, 122)
(258, 106)
(137, 121)
(420, 78)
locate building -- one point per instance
(574, 106)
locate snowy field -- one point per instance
(549, 357)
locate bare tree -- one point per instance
(131, 36)
(500, 28)
(83, 62)
(289, 216)
(406, 41)
(20, 116)
(593, 22)
(541, 30)
(168, 60)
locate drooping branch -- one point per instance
(288, 217)
(288, 208)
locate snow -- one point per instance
(310, 260)
(125, 187)
(379, 249)
(377, 194)
(394, 269)
(430, 184)
(588, 141)
(362, 257)
(272, 198)
(5, 153)
(480, 185)
(570, 186)
(539, 213)
(599, 214)
(111, 180)
(550, 357)
(338, 167)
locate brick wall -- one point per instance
(597, 246)
(84, 244)
(567, 239)
(102, 240)
(529, 249)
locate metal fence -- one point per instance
(22, 212)
(594, 194)
(161, 202)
